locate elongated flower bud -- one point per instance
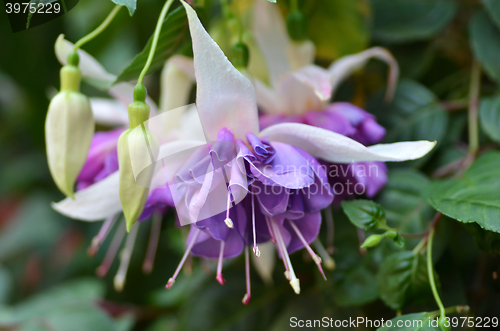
(69, 128)
(137, 151)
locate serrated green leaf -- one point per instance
(403, 275)
(493, 10)
(173, 36)
(485, 43)
(130, 4)
(412, 322)
(408, 20)
(489, 113)
(364, 214)
(473, 197)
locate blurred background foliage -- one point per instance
(47, 281)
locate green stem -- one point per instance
(64, 6)
(294, 5)
(475, 85)
(99, 29)
(430, 272)
(155, 40)
(419, 246)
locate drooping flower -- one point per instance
(97, 183)
(242, 158)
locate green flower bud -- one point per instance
(373, 240)
(240, 55)
(296, 24)
(69, 128)
(137, 151)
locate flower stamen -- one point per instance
(294, 281)
(154, 237)
(103, 269)
(256, 250)
(171, 280)
(119, 280)
(228, 220)
(327, 259)
(101, 235)
(314, 256)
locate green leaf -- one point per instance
(356, 286)
(403, 275)
(409, 20)
(6, 284)
(30, 14)
(489, 113)
(173, 36)
(412, 322)
(130, 4)
(473, 197)
(337, 27)
(364, 214)
(485, 43)
(404, 202)
(493, 9)
(414, 114)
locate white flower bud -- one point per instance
(69, 128)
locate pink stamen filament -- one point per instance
(327, 259)
(171, 281)
(103, 269)
(101, 235)
(255, 248)
(314, 256)
(247, 297)
(294, 281)
(219, 276)
(330, 230)
(154, 237)
(119, 280)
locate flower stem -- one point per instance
(475, 85)
(430, 272)
(156, 36)
(294, 5)
(99, 29)
(64, 6)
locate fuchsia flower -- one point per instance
(242, 165)
(251, 158)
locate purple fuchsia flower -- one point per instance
(242, 159)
